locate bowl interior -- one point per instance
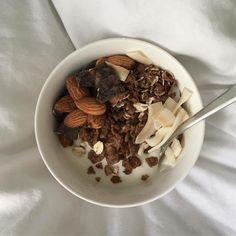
(71, 171)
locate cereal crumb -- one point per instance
(98, 179)
(90, 170)
(115, 179)
(99, 165)
(144, 177)
(152, 161)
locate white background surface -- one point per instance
(201, 34)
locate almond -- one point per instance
(91, 106)
(122, 61)
(96, 122)
(75, 91)
(65, 104)
(76, 118)
(100, 61)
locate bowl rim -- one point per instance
(37, 111)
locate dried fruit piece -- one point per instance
(98, 147)
(96, 122)
(91, 106)
(107, 83)
(90, 170)
(75, 91)
(65, 104)
(121, 60)
(152, 161)
(76, 118)
(116, 179)
(65, 141)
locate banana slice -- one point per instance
(176, 147)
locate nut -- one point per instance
(76, 118)
(91, 106)
(96, 122)
(75, 91)
(98, 147)
(65, 104)
(122, 61)
(100, 61)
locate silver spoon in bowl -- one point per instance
(219, 103)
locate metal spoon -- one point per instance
(219, 103)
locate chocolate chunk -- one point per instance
(86, 78)
(134, 161)
(99, 165)
(116, 179)
(94, 158)
(144, 177)
(64, 140)
(98, 179)
(152, 161)
(90, 170)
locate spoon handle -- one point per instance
(219, 103)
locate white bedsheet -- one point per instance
(201, 34)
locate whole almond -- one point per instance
(122, 61)
(76, 118)
(65, 104)
(91, 106)
(96, 122)
(75, 91)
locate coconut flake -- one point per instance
(142, 147)
(159, 135)
(140, 107)
(177, 122)
(149, 128)
(121, 71)
(168, 160)
(98, 147)
(140, 57)
(170, 104)
(186, 94)
(166, 117)
(176, 147)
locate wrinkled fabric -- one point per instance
(200, 34)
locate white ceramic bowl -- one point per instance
(70, 171)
